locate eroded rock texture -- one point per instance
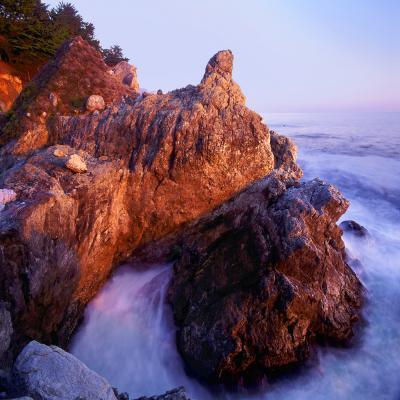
(154, 163)
(261, 278)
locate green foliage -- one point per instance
(34, 33)
(113, 55)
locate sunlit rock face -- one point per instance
(10, 88)
(154, 163)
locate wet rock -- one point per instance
(261, 279)
(175, 394)
(95, 103)
(76, 164)
(354, 228)
(47, 373)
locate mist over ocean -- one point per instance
(128, 336)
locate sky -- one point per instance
(290, 55)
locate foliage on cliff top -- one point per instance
(31, 33)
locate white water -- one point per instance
(128, 336)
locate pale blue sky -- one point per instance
(290, 55)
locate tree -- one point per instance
(33, 33)
(66, 16)
(113, 55)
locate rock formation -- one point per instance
(169, 159)
(164, 171)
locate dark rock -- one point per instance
(175, 394)
(260, 279)
(354, 228)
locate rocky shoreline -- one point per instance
(191, 175)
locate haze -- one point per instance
(290, 56)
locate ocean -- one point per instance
(128, 335)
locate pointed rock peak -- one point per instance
(221, 64)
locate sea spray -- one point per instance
(128, 335)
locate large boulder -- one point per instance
(262, 278)
(48, 373)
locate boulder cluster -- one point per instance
(103, 174)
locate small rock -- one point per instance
(159, 92)
(95, 102)
(175, 394)
(354, 228)
(28, 115)
(76, 164)
(58, 153)
(103, 158)
(6, 196)
(53, 99)
(44, 114)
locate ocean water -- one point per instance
(128, 333)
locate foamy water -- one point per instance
(128, 335)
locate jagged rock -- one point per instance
(48, 373)
(172, 158)
(354, 228)
(261, 278)
(126, 73)
(175, 394)
(76, 164)
(95, 103)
